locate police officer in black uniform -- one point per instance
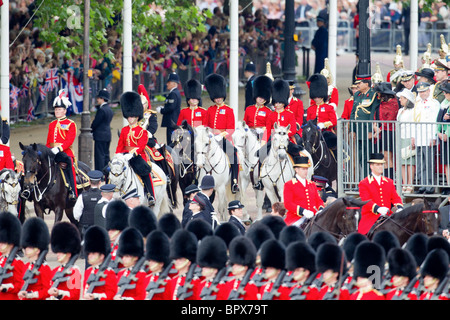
(172, 107)
(107, 192)
(83, 210)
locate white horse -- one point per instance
(210, 159)
(247, 144)
(9, 191)
(125, 179)
(277, 167)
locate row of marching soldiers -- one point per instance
(272, 261)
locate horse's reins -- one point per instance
(408, 231)
(209, 162)
(184, 155)
(37, 197)
(245, 161)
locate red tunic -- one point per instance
(154, 277)
(219, 295)
(72, 287)
(348, 105)
(312, 294)
(325, 114)
(174, 284)
(298, 197)
(256, 117)
(138, 280)
(296, 107)
(333, 98)
(373, 294)
(343, 294)
(133, 137)
(108, 290)
(283, 119)
(43, 281)
(397, 292)
(194, 116)
(61, 134)
(6, 158)
(221, 119)
(16, 280)
(383, 195)
(427, 295)
(251, 290)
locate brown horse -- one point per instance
(44, 182)
(421, 217)
(340, 218)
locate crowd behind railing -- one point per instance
(37, 73)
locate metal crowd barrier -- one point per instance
(425, 166)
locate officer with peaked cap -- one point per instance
(441, 75)
(35, 239)
(369, 259)
(65, 241)
(172, 106)
(402, 270)
(434, 270)
(300, 260)
(107, 192)
(407, 81)
(143, 219)
(207, 186)
(101, 130)
(133, 140)
(183, 250)
(84, 208)
(189, 193)
(10, 262)
(157, 253)
(242, 261)
(236, 215)
(212, 258)
(131, 252)
(97, 247)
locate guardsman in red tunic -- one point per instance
(381, 193)
(117, 213)
(402, 269)
(434, 271)
(300, 260)
(183, 250)
(348, 104)
(133, 140)
(242, 261)
(331, 264)
(273, 256)
(369, 263)
(332, 91)
(220, 118)
(194, 114)
(131, 280)
(301, 197)
(65, 242)
(60, 138)
(255, 116)
(157, 252)
(35, 239)
(295, 105)
(11, 265)
(349, 246)
(6, 160)
(102, 283)
(322, 112)
(212, 257)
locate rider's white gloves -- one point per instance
(55, 150)
(308, 214)
(383, 211)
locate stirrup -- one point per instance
(258, 186)
(150, 200)
(234, 188)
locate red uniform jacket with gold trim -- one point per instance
(16, 280)
(250, 289)
(139, 281)
(62, 134)
(372, 294)
(348, 106)
(221, 119)
(283, 119)
(6, 158)
(325, 114)
(256, 116)
(379, 195)
(133, 137)
(106, 291)
(298, 197)
(43, 281)
(194, 117)
(296, 107)
(72, 287)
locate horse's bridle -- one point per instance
(184, 156)
(204, 153)
(38, 194)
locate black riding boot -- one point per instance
(71, 180)
(234, 166)
(148, 189)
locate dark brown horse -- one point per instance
(421, 217)
(340, 218)
(44, 182)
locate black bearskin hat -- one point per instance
(401, 263)
(273, 254)
(193, 90)
(318, 87)
(438, 242)
(330, 256)
(262, 87)
(368, 254)
(65, 238)
(200, 228)
(96, 239)
(258, 233)
(131, 242)
(291, 234)
(117, 213)
(275, 223)
(417, 245)
(143, 218)
(350, 244)
(35, 234)
(318, 238)
(387, 240)
(280, 92)
(169, 223)
(300, 255)
(216, 85)
(131, 105)
(242, 251)
(10, 228)
(436, 264)
(183, 245)
(227, 231)
(157, 247)
(212, 252)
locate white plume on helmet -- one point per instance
(62, 99)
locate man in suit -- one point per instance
(320, 44)
(444, 223)
(235, 210)
(250, 74)
(101, 130)
(301, 17)
(172, 107)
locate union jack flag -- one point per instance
(30, 113)
(51, 79)
(13, 94)
(42, 92)
(25, 89)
